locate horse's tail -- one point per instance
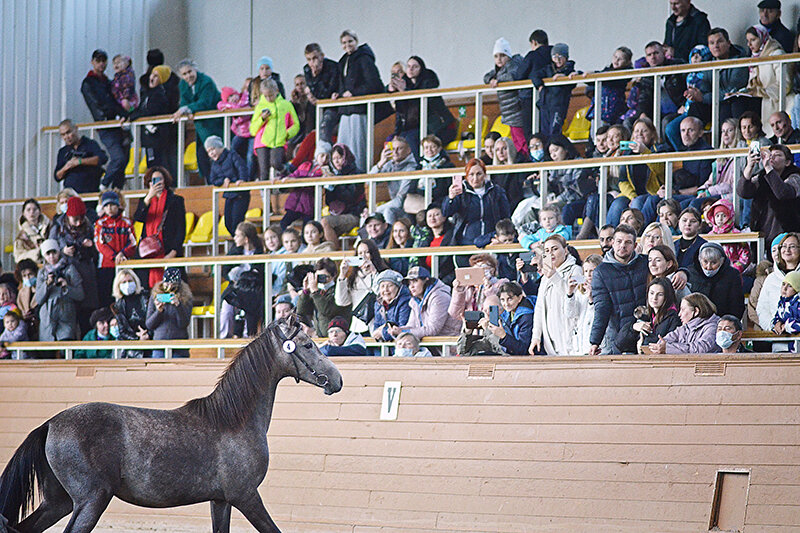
(27, 466)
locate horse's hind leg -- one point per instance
(220, 517)
(55, 505)
(86, 513)
(253, 509)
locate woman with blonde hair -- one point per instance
(654, 234)
(130, 309)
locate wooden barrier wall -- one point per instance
(484, 444)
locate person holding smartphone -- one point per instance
(163, 214)
(515, 324)
(317, 299)
(169, 310)
(553, 328)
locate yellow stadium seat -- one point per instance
(142, 163)
(190, 157)
(138, 227)
(352, 233)
(253, 213)
(203, 229)
(326, 210)
(222, 231)
(9, 249)
(579, 127)
(469, 144)
(191, 218)
(499, 127)
(198, 310)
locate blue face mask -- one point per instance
(537, 155)
(724, 339)
(29, 282)
(403, 352)
(114, 330)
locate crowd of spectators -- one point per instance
(658, 285)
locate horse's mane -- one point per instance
(232, 401)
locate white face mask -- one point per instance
(724, 339)
(127, 288)
(403, 352)
(63, 208)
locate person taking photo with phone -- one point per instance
(317, 300)
(553, 328)
(169, 310)
(514, 326)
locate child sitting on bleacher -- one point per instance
(15, 330)
(123, 86)
(720, 217)
(299, 203)
(787, 318)
(550, 224)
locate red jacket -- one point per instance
(113, 235)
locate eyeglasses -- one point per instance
(789, 247)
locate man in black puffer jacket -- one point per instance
(619, 284)
(96, 90)
(685, 28)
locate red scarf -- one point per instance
(155, 212)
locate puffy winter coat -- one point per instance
(326, 82)
(768, 298)
(789, 313)
(113, 235)
(429, 315)
(359, 75)
(398, 311)
(173, 321)
(228, 165)
(510, 106)
(282, 123)
(617, 289)
(691, 31)
(699, 335)
(477, 215)
(724, 288)
(519, 328)
(96, 91)
(551, 322)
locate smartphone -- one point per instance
(387, 145)
(527, 256)
(625, 145)
(471, 318)
(494, 315)
(458, 180)
(579, 278)
(164, 297)
(755, 147)
(355, 261)
(323, 279)
(157, 179)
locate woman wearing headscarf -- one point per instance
(764, 78)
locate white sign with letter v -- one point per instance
(391, 400)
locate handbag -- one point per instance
(152, 246)
(365, 310)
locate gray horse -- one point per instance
(210, 449)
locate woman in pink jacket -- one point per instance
(471, 298)
(698, 334)
(429, 301)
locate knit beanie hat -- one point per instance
(75, 207)
(109, 197)
(172, 275)
(388, 275)
(501, 46)
(266, 60)
(777, 240)
(793, 279)
(341, 323)
(560, 49)
(163, 72)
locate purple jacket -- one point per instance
(699, 335)
(429, 316)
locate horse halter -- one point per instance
(290, 347)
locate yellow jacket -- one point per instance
(282, 123)
(654, 181)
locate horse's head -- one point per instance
(301, 358)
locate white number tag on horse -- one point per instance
(289, 346)
(391, 400)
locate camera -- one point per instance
(471, 318)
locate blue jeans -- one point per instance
(592, 208)
(235, 210)
(203, 161)
(118, 156)
(616, 208)
(161, 354)
(573, 211)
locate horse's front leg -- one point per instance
(254, 511)
(220, 516)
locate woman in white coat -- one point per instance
(553, 329)
(787, 260)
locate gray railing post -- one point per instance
(181, 164)
(217, 279)
(370, 136)
(668, 180)
(715, 107)
(598, 103)
(602, 191)
(423, 122)
(657, 101)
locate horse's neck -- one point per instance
(262, 411)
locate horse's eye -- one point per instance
(308, 346)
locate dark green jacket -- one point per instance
(202, 97)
